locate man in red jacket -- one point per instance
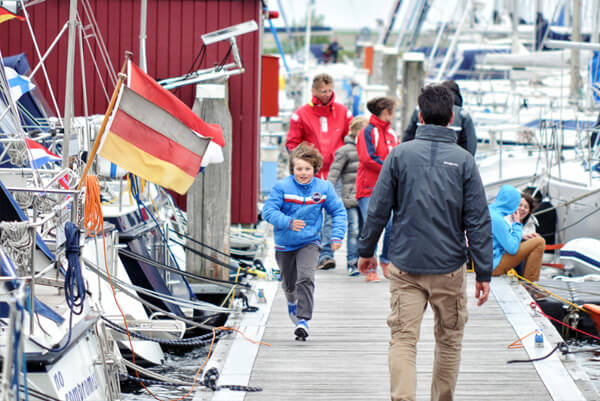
(323, 123)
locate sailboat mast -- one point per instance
(595, 37)
(143, 18)
(307, 27)
(69, 87)
(515, 26)
(575, 37)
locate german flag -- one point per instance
(6, 15)
(148, 141)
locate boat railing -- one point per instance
(591, 142)
(51, 221)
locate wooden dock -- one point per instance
(345, 357)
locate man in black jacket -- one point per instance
(433, 187)
(462, 123)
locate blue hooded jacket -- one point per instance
(506, 238)
(290, 200)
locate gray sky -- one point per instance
(355, 14)
(339, 14)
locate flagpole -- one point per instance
(111, 106)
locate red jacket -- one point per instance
(323, 125)
(373, 144)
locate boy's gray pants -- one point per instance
(297, 269)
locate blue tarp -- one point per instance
(469, 61)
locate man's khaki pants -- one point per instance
(410, 293)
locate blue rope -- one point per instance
(74, 284)
(24, 369)
(136, 194)
(135, 191)
(16, 360)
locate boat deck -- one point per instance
(345, 357)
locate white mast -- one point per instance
(450, 51)
(309, 9)
(143, 18)
(69, 87)
(575, 83)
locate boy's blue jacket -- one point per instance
(507, 238)
(289, 200)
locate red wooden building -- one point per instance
(173, 41)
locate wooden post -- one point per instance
(209, 198)
(412, 82)
(376, 77)
(385, 69)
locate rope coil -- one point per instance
(18, 154)
(16, 241)
(74, 284)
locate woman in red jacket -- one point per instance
(373, 145)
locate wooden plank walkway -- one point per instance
(345, 357)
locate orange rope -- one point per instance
(518, 343)
(94, 224)
(210, 349)
(554, 247)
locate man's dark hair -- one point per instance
(435, 104)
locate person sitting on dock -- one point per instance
(462, 123)
(324, 123)
(434, 188)
(345, 167)
(295, 208)
(509, 251)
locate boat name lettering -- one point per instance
(59, 381)
(83, 389)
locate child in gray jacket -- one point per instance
(345, 166)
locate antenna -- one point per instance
(229, 33)
(220, 70)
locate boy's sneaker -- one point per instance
(353, 271)
(372, 277)
(292, 309)
(385, 268)
(301, 331)
(326, 264)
